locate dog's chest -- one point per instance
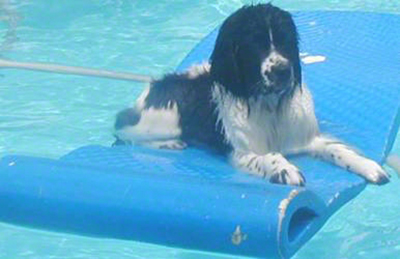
(260, 128)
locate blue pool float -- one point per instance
(195, 200)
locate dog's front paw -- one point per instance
(287, 174)
(371, 171)
(272, 166)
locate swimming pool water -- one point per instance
(50, 114)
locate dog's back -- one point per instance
(186, 100)
(196, 110)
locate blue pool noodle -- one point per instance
(196, 200)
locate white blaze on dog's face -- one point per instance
(259, 57)
(276, 70)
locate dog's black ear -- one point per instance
(297, 71)
(224, 62)
(296, 61)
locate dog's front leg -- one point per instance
(340, 154)
(271, 166)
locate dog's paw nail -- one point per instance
(303, 179)
(383, 179)
(275, 178)
(290, 175)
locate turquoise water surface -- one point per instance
(51, 114)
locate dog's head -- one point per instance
(256, 52)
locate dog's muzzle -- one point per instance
(279, 75)
(277, 72)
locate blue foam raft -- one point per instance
(192, 199)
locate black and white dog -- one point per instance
(248, 102)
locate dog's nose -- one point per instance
(127, 117)
(280, 73)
